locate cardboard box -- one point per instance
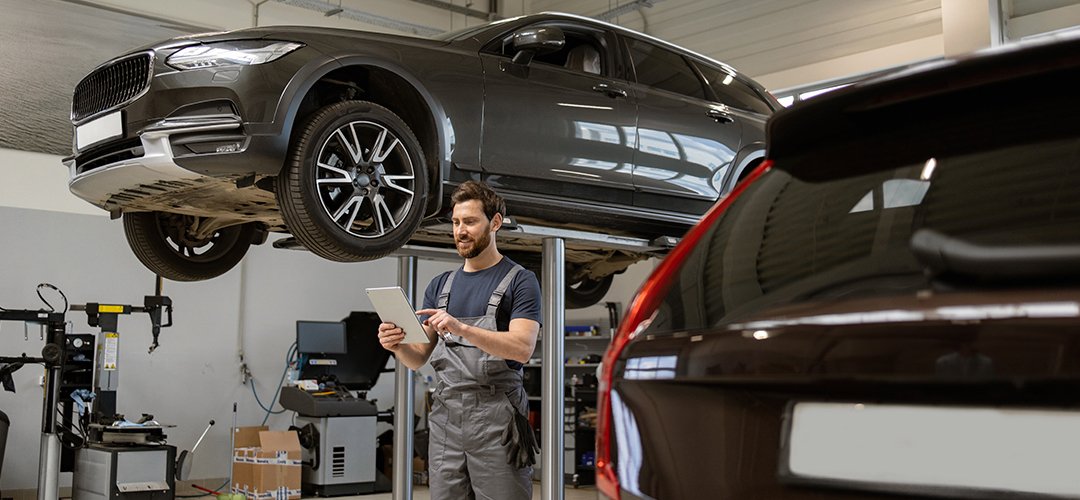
(266, 464)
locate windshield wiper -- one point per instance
(944, 254)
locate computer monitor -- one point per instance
(358, 365)
(320, 337)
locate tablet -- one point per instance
(393, 307)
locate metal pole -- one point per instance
(49, 453)
(403, 397)
(49, 467)
(551, 449)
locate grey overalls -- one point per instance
(473, 401)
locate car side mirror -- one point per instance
(537, 40)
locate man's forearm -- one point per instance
(411, 355)
(517, 346)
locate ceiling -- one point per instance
(803, 43)
(763, 37)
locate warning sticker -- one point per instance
(110, 351)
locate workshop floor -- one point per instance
(421, 493)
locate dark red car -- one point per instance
(888, 307)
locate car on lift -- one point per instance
(351, 142)
(889, 306)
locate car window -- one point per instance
(733, 92)
(785, 241)
(663, 69)
(583, 52)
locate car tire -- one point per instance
(162, 243)
(587, 292)
(580, 294)
(354, 186)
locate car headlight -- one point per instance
(233, 53)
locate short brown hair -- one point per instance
(488, 198)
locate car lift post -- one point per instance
(403, 396)
(552, 367)
(554, 311)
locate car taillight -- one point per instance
(638, 317)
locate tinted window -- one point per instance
(583, 52)
(786, 241)
(660, 68)
(733, 92)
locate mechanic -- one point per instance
(482, 321)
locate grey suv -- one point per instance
(351, 141)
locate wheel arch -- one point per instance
(749, 157)
(385, 84)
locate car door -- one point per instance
(745, 103)
(563, 124)
(686, 142)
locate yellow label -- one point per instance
(102, 308)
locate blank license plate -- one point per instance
(911, 448)
(99, 129)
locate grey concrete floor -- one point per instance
(421, 493)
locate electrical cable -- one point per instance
(270, 410)
(61, 292)
(291, 357)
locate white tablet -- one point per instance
(393, 307)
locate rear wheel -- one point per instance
(354, 187)
(587, 291)
(185, 247)
(580, 292)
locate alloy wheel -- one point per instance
(365, 179)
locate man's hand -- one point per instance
(390, 336)
(442, 322)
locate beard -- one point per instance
(478, 245)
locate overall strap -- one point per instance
(444, 294)
(497, 295)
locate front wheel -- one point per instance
(185, 247)
(354, 187)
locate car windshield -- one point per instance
(786, 241)
(468, 31)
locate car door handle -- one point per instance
(719, 116)
(609, 90)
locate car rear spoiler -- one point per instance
(987, 101)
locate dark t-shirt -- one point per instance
(471, 291)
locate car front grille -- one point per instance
(112, 85)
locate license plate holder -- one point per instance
(99, 129)
(941, 450)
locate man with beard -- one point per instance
(482, 321)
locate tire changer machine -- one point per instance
(79, 411)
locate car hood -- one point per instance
(305, 34)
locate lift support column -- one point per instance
(403, 396)
(551, 393)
